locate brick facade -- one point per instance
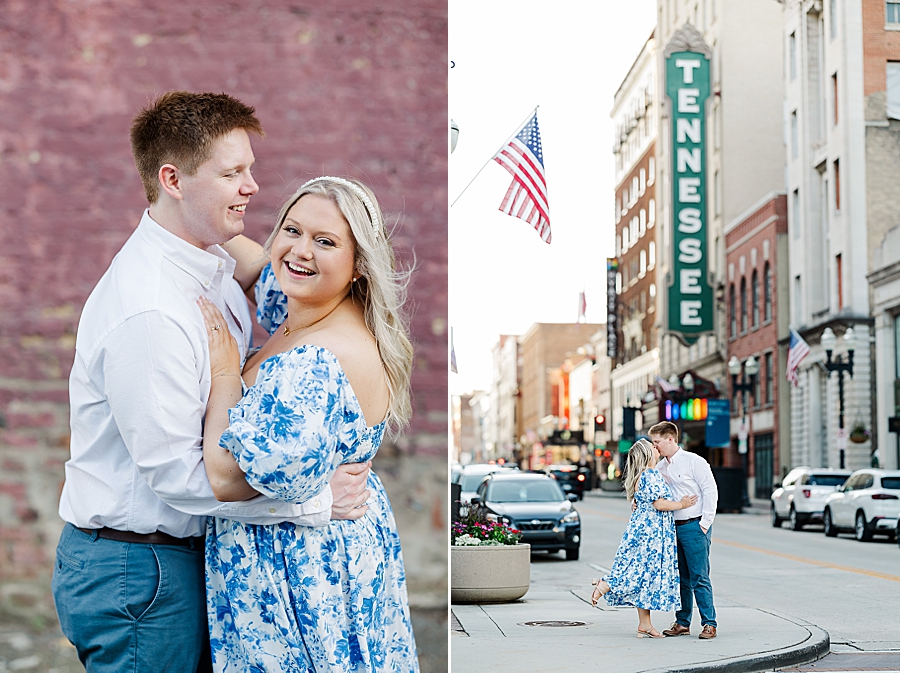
(751, 252)
(345, 87)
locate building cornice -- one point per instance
(687, 38)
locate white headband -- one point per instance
(356, 189)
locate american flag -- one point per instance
(665, 385)
(797, 350)
(526, 197)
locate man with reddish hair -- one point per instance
(687, 473)
(129, 576)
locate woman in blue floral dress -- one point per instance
(645, 570)
(324, 389)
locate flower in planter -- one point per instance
(475, 528)
(859, 433)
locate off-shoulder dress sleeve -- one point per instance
(295, 426)
(271, 303)
(651, 487)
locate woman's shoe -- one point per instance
(649, 633)
(597, 593)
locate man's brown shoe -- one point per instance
(708, 632)
(678, 630)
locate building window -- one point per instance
(717, 192)
(893, 88)
(754, 296)
(795, 214)
(757, 389)
(743, 305)
(642, 222)
(837, 184)
(795, 144)
(624, 239)
(832, 17)
(792, 49)
(643, 180)
(840, 281)
(893, 12)
(643, 258)
(834, 95)
(652, 254)
(651, 169)
(770, 378)
(732, 311)
(651, 213)
(767, 292)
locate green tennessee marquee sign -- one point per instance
(690, 295)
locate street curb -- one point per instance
(816, 646)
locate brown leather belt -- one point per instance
(681, 522)
(144, 538)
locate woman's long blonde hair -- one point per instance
(640, 458)
(381, 287)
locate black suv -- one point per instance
(535, 505)
(572, 478)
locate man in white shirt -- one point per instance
(687, 473)
(129, 576)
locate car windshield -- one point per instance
(826, 479)
(525, 491)
(892, 483)
(469, 482)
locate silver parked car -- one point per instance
(867, 504)
(801, 497)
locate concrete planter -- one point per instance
(491, 574)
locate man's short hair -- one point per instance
(665, 429)
(180, 128)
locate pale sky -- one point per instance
(509, 56)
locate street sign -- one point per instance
(718, 419)
(743, 433)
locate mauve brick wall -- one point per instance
(341, 86)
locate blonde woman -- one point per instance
(323, 391)
(645, 570)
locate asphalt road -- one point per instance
(851, 589)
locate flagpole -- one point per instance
(511, 135)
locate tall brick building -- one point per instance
(347, 87)
(756, 246)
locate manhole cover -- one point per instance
(556, 623)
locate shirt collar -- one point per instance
(675, 456)
(210, 267)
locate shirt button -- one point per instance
(271, 510)
(317, 503)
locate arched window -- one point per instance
(732, 311)
(767, 292)
(743, 305)
(754, 297)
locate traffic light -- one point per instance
(599, 423)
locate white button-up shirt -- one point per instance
(138, 392)
(687, 473)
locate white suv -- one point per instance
(801, 497)
(869, 503)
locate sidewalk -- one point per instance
(498, 638)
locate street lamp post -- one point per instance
(750, 368)
(838, 365)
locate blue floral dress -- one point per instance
(302, 599)
(645, 569)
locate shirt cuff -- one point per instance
(317, 510)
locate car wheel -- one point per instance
(572, 554)
(830, 530)
(794, 519)
(776, 520)
(862, 530)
